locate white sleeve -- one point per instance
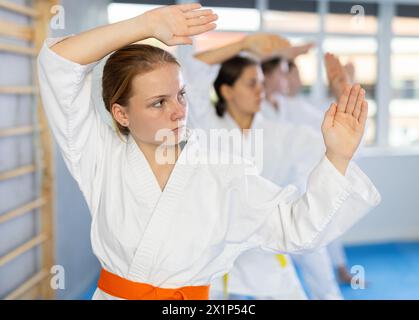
(265, 216)
(199, 78)
(77, 127)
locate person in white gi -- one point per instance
(283, 101)
(283, 86)
(287, 159)
(172, 225)
(277, 277)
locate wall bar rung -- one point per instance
(17, 131)
(22, 210)
(41, 238)
(18, 90)
(14, 30)
(5, 47)
(29, 284)
(17, 8)
(9, 174)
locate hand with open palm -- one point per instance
(344, 125)
(264, 45)
(293, 52)
(174, 25)
(337, 75)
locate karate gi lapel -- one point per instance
(154, 236)
(145, 183)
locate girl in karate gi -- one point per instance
(164, 228)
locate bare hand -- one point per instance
(343, 126)
(264, 45)
(174, 25)
(336, 74)
(350, 71)
(293, 52)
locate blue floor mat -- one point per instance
(90, 291)
(391, 272)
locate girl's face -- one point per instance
(158, 106)
(247, 93)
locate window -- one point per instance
(122, 11)
(362, 53)
(406, 21)
(351, 17)
(307, 65)
(404, 106)
(286, 16)
(235, 15)
(237, 19)
(350, 31)
(214, 39)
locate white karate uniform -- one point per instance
(293, 110)
(207, 215)
(316, 267)
(256, 272)
(290, 153)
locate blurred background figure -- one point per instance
(286, 104)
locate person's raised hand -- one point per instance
(343, 126)
(350, 71)
(293, 52)
(336, 75)
(174, 25)
(264, 45)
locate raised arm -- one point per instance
(260, 44)
(173, 25)
(338, 193)
(65, 78)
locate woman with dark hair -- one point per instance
(288, 155)
(165, 227)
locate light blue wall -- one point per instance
(397, 217)
(72, 218)
(15, 152)
(73, 248)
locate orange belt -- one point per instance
(130, 290)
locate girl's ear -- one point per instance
(120, 114)
(226, 92)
